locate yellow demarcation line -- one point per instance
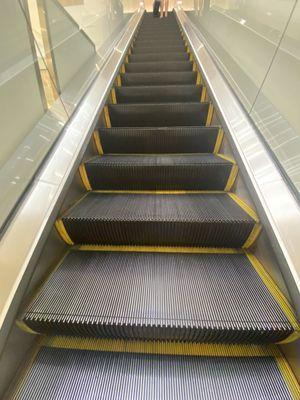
(21, 325)
(107, 117)
(203, 94)
(198, 81)
(159, 347)
(97, 142)
(127, 59)
(118, 81)
(288, 376)
(219, 141)
(194, 66)
(123, 69)
(257, 227)
(278, 296)
(62, 232)
(159, 192)
(84, 177)
(233, 172)
(209, 114)
(113, 96)
(160, 249)
(191, 57)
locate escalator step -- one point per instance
(70, 374)
(158, 49)
(164, 172)
(163, 78)
(161, 94)
(159, 57)
(164, 66)
(208, 219)
(158, 114)
(159, 140)
(158, 43)
(158, 296)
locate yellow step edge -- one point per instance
(159, 249)
(257, 227)
(278, 296)
(199, 79)
(210, 114)
(203, 94)
(219, 141)
(60, 227)
(97, 141)
(107, 117)
(21, 325)
(288, 376)
(159, 347)
(233, 172)
(113, 96)
(84, 177)
(123, 69)
(118, 81)
(160, 192)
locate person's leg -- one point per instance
(162, 8)
(166, 7)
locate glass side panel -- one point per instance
(243, 37)
(276, 109)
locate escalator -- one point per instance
(159, 295)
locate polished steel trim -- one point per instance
(23, 240)
(276, 204)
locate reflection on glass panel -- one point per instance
(28, 128)
(276, 110)
(243, 36)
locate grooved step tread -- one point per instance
(152, 94)
(158, 114)
(158, 296)
(163, 66)
(210, 219)
(162, 78)
(159, 140)
(158, 49)
(71, 374)
(159, 57)
(158, 172)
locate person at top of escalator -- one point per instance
(156, 6)
(164, 5)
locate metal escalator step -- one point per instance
(159, 49)
(160, 94)
(159, 57)
(164, 66)
(70, 374)
(158, 114)
(208, 219)
(159, 172)
(158, 43)
(158, 296)
(159, 140)
(156, 78)
(158, 36)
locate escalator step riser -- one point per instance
(197, 172)
(208, 220)
(166, 49)
(163, 78)
(71, 374)
(161, 94)
(159, 140)
(196, 313)
(163, 114)
(159, 66)
(159, 57)
(158, 36)
(160, 43)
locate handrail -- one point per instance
(27, 232)
(276, 204)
